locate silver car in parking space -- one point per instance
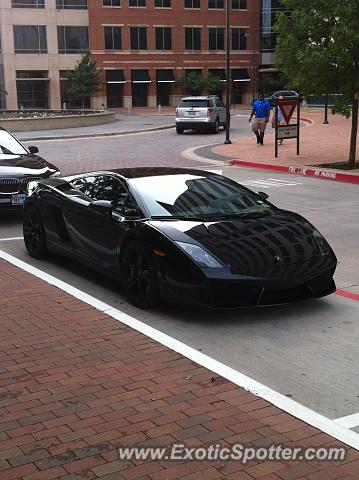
(200, 112)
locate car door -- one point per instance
(93, 232)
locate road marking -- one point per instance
(9, 239)
(270, 182)
(190, 155)
(352, 296)
(288, 405)
(350, 421)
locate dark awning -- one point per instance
(165, 76)
(240, 75)
(140, 76)
(115, 76)
(192, 71)
(218, 73)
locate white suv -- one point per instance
(200, 113)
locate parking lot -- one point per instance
(307, 351)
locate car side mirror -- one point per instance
(101, 206)
(33, 149)
(130, 212)
(263, 195)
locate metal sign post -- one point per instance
(289, 130)
(276, 128)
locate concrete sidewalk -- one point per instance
(124, 124)
(75, 384)
(319, 144)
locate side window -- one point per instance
(103, 187)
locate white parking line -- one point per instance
(270, 182)
(10, 239)
(288, 405)
(350, 421)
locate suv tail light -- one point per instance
(209, 112)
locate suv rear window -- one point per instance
(195, 103)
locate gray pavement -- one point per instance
(122, 125)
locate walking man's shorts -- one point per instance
(259, 124)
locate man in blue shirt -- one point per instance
(260, 111)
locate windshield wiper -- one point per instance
(229, 215)
(178, 217)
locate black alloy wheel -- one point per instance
(138, 274)
(34, 233)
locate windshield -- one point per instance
(194, 104)
(9, 145)
(196, 196)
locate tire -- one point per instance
(216, 126)
(139, 276)
(179, 130)
(34, 233)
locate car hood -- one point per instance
(262, 247)
(21, 165)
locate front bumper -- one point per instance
(226, 293)
(7, 206)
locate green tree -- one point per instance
(318, 51)
(85, 79)
(196, 84)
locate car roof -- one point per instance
(140, 172)
(200, 97)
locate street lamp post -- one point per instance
(228, 72)
(326, 110)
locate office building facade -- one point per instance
(141, 46)
(40, 41)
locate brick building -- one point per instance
(141, 45)
(144, 45)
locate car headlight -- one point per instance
(321, 242)
(200, 256)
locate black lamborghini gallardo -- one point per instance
(181, 235)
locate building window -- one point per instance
(32, 89)
(28, 3)
(216, 38)
(239, 38)
(163, 38)
(136, 3)
(138, 38)
(111, 3)
(112, 38)
(163, 3)
(192, 39)
(239, 4)
(192, 3)
(30, 39)
(73, 39)
(72, 4)
(215, 3)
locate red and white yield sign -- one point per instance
(287, 108)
